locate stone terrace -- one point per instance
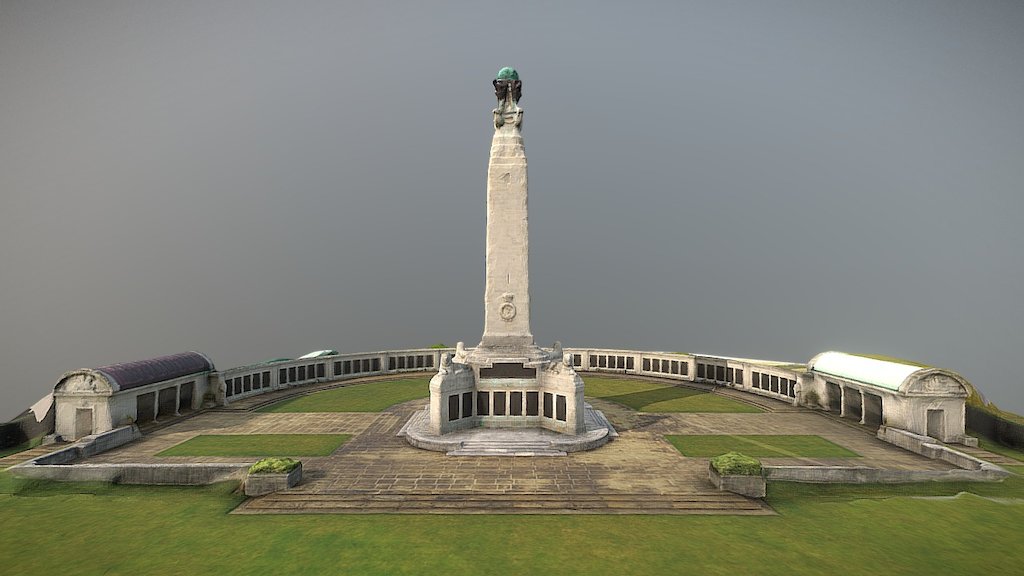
(639, 472)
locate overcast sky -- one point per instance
(262, 179)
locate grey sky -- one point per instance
(263, 179)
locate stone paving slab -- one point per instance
(874, 452)
(477, 503)
(217, 422)
(26, 455)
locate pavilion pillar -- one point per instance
(863, 412)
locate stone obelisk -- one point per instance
(507, 381)
(507, 291)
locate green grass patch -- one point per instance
(369, 397)
(50, 528)
(258, 445)
(653, 397)
(762, 446)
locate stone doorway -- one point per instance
(872, 410)
(144, 407)
(937, 424)
(853, 407)
(185, 394)
(83, 422)
(835, 397)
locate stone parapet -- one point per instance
(745, 485)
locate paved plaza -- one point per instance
(638, 472)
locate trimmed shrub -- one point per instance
(274, 466)
(736, 464)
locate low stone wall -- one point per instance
(927, 446)
(970, 469)
(865, 475)
(57, 465)
(89, 446)
(159, 474)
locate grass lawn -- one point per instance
(258, 445)
(369, 397)
(646, 396)
(761, 446)
(51, 528)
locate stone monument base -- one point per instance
(506, 387)
(508, 441)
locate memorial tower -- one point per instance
(507, 381)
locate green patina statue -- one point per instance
(508, 88)
(508, 73)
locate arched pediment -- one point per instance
(83, 382)
(935, 382)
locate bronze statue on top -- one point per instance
(508, 88)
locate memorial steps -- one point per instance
(506, 448)
(501, 503)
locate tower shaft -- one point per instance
(507, 291)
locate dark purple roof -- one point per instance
(143, 372)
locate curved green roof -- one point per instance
(881, 373)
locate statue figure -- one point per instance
(508, 88)
(556, 350)
(500, 90)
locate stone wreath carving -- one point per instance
(507, 311)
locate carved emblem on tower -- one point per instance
(507, 310)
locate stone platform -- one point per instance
(508, 441)
(639, 472)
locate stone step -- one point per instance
(982, 454)
(499, 443)
(297, 494)
(502, 503)
(495, 447)
(505, 452)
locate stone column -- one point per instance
(862, 410)
(507, 290)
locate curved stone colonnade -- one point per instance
(777, 380)
(929, 402)
(797, 384)
(235, 384)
